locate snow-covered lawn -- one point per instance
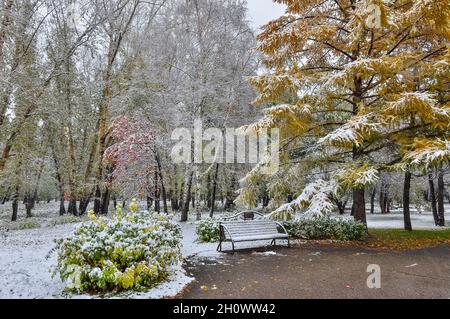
(25, 262)
(25, 270)
(395, 221)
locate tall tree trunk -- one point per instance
(31, 199)
(87, 194)
(15, 205)
(97, 200)
(105, 201)
(383, 200)
(102, 125)
(72, 209)
(17, 186)
(359, 205)
(173, 200)
(187, 198)
(69, 142)
(174, 192)
(115, 202)
(181, 195)
(84, 203)
(163, 187)
(209, 191)
(266, 200)
(106, 195)
(157, 193)
(29, 205)
(406, 201)
(230, 193)
(341, 208)
(149, 203)
(6, 197)
(62, 208)
(372, 201)
(433, 199)
(214, 190)
(175, 204)
(388, 203)
(440, 198)
(340, 203)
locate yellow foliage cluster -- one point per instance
(360, 77)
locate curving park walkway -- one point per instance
(321, 272)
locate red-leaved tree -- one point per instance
(132, 159)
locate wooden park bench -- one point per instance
(250, 226)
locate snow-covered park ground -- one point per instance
(26, 265)
(395, 221)
(25, 262)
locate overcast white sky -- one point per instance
(263, 11)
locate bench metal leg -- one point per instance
(220, 247)
(273, 243)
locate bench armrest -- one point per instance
(282, 227)
(224, 229)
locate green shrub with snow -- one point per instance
(208, 230)
(129, 252)
(24, 224)
(67, 219)
(308, 228)
(326, 227)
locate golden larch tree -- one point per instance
(348, 80)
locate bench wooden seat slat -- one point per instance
(243, 233)
(249, 229)
(250, 233)
(259, 237)
(262, 235)
(237, 231)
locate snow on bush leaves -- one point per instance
(132, 252)
(208, 230)
(326, 227)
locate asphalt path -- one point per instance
(321, 272)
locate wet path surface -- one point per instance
(321, 272)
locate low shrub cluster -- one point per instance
(67, 219)
(326, 227)
(208, 230)
(23, 224)
(128, 252)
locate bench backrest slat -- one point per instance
(250, 228)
